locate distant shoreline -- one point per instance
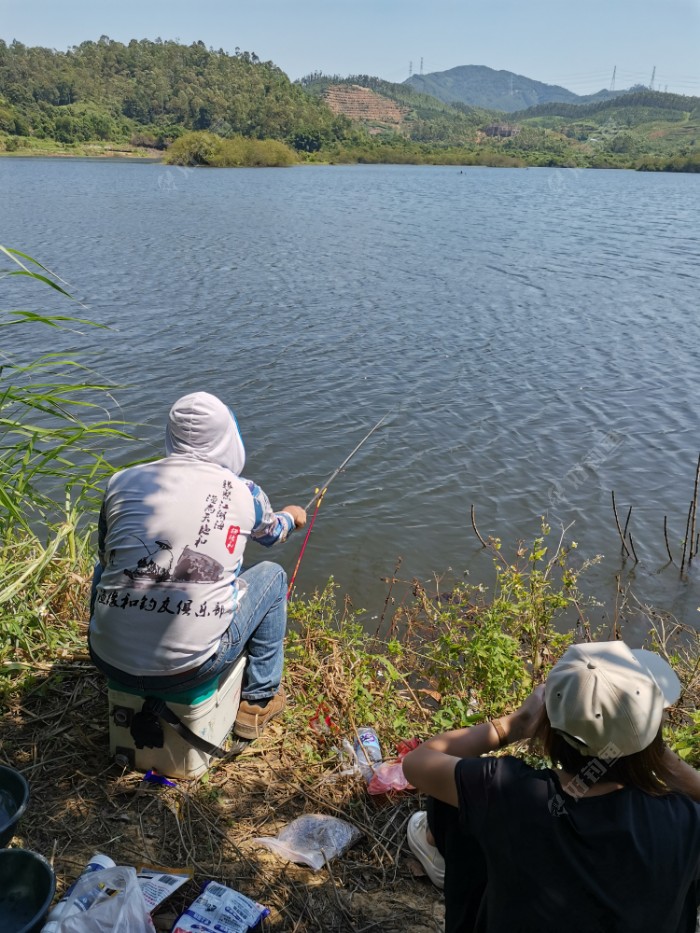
(86, 152)
(155, 157)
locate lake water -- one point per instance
(534, 334)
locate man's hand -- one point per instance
(297, 513)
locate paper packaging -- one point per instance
(219, 909)
(158, 883)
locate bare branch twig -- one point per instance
(625, 549)
(668, 547)
(685, 540)
(476, 530)
(695, 510)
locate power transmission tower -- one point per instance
(410, 69)
(421, 64)
(612, 83)
(511, 85)
(653, 75)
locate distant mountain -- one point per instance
(479, 86)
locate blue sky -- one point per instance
(569, 42)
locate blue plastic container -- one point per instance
(27, 886)
(14, 796)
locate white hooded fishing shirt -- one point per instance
(171, 541)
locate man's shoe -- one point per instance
(427, 855)
(252, 717)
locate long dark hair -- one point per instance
(642, 769)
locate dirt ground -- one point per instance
(57, 735)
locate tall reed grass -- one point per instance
(53, 432)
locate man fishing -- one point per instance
(172, 607)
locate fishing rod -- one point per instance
(322, 491)
(317, 498)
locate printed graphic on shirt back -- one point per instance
(156, 566)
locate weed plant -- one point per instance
(450, 659)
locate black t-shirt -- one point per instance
(624, 862)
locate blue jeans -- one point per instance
(258, 627)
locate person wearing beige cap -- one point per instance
(607, 839)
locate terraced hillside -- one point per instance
(365, 106)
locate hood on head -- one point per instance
(200, 426)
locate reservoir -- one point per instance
(533, 333)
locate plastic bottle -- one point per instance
(368, 751)
(97, 862)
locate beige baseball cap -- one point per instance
(607, 699)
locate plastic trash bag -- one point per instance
(107, 901)
(312, 840)
(388, 775)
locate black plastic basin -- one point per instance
(27, 886)
(14, 796)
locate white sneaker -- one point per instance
(427, 855)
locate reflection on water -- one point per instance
(534, 334)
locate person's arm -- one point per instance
(431, 766)
(102, 535)
(101, 558)
(679, 776)
(270, 526)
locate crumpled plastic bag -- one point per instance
(312, 840)
(114, 903)
(388, 775)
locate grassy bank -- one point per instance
(445, 659)
(95, 149)
(437, 659)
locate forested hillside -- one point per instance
(637, 105)
(656, 129)
(107, 90)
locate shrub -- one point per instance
(203, 148)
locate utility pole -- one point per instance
(421, 64)
(612, 83)
(653, 75)
(410, 69)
